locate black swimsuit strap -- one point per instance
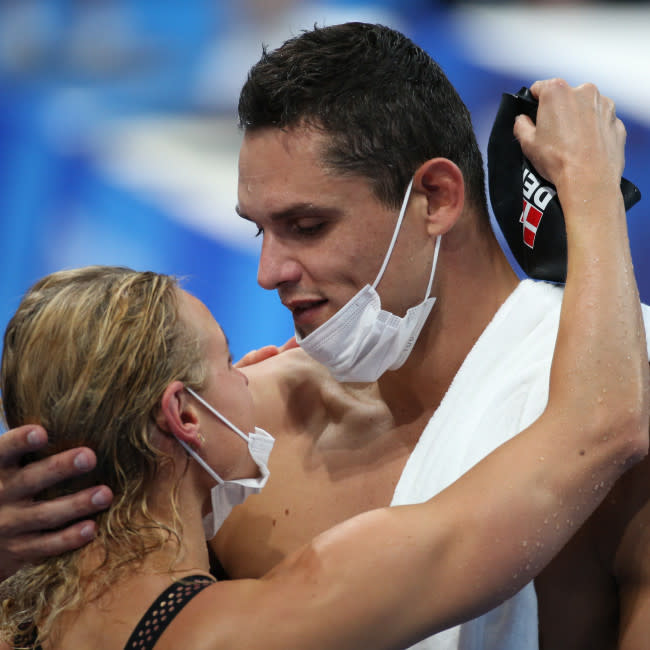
(164, 609)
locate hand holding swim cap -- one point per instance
(525, 204)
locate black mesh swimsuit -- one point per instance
(159, 615)
(164, 609)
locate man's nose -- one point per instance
(276, 266)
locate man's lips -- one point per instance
(305, 312)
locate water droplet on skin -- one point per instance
(524, 543)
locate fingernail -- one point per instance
(88, 531)
(82, 462)
(100, 498)
(36, 438)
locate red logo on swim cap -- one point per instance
(530, 217)
(536, 198)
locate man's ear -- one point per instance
(177, 416)
(441, 181)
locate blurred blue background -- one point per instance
(118, 138)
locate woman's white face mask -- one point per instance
(225, 495)
(361, 341)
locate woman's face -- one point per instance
(226, 390)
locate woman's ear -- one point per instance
(441, 181)
(177, 416)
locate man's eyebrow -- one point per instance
(296, 210)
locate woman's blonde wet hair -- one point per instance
(88, 355)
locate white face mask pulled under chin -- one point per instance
(225, 495)
(361, 341)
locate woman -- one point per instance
(138, 370)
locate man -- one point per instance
(344, 129)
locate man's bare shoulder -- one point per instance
(332, 440)
(286, 371)
(291, 390)
(597, 590)
(282, 387)
(621, 530)
(627, 512)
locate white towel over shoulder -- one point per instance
(500, 389)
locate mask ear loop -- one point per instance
(216, 413)
(433, 266)
(201, 462)
(225, 420)
(398, 225)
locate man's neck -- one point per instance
(473, 284)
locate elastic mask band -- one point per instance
(214, 411)
(433, 266)
(200, 461)
(398, 225)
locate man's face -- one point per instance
(324, 234)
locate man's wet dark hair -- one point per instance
(386, 106)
